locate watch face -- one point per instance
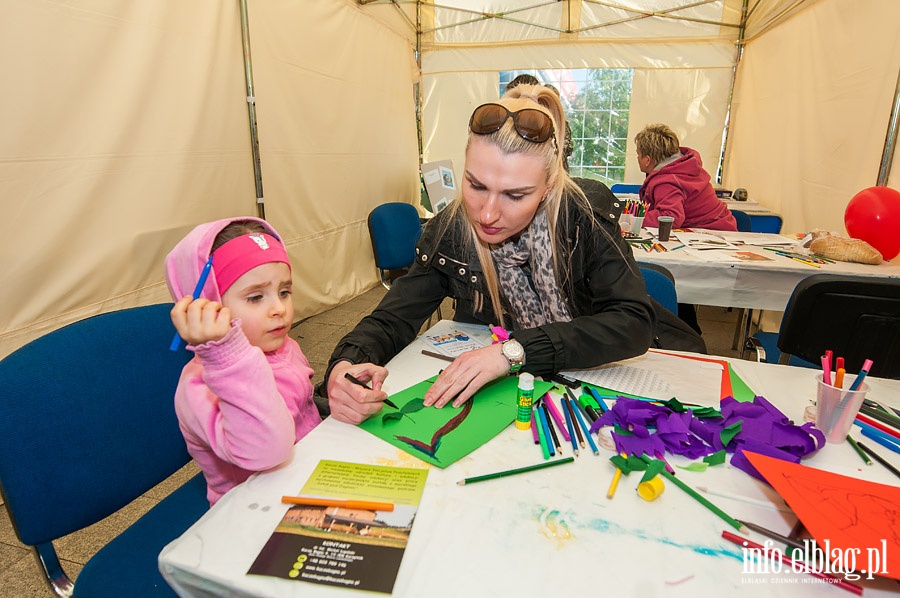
(513, 350)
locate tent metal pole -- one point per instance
(720, 175)
(251, 111)
(890, 140)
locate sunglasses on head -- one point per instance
(530, 123)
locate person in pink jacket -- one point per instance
(676, 184)
(245, 398)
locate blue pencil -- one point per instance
(881, 438)
(584, 427)
(204, 274)
(599, 399)
(572, 436)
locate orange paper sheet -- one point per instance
(846, 512)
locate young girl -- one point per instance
(245, 398)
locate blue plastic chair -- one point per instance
(744, 224)
(660, 285)
(394, 228)
(88, 425)
(623, 188)
(765, 223)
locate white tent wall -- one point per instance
(126, 124)
(685, 85)
(811, 110)
(337, 137)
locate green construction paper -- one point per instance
(486, 414)
(742, 392)
(730, 432)
(716, 458)
(698, 466)
(654, 468)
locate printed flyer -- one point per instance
(347, 546)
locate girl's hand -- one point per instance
(349, 402)
(199, 321)
(466, 375)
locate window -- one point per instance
(597, 103)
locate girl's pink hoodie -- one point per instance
(240, 410)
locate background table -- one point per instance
(756, 285)
(546, 533)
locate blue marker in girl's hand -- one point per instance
(176, 342)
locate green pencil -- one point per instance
(703, 501)
(862, 454)
(500, 474)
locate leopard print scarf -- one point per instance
(541, 303)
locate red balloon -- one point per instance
(873, 215)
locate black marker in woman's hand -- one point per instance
(359, 382)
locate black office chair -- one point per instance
(856, 317)
(394, 228)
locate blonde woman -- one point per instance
(523, 246)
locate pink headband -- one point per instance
(240, 255)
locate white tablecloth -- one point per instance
(548, 533)
(757, 285)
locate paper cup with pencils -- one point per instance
(836, 408)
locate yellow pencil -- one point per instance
(615, 480)
(345, 504)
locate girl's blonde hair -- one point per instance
(560, 185)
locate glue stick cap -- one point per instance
(526, 381)
(651, 489)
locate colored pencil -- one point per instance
(359, 382)
(542, 432)
(584, 427)
(615, 480)
(862, 454)
(793, 543)
(344, 504)
(794, 565)
(501, 474)
(556, 415)
(882, 439)
(882, 416)
(534, 426)
(760, 503)
(600, 402)
(568, 405)
(863, 421)
(437, 355)
(552, 431)
(201, 282)
(880, 459)
(702, 500)
(863, 372)
(572, 437)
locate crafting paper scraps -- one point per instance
(654, 429)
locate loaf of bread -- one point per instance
(843, 249)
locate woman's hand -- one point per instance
(349, 402)
(199, 321)
(468, 373)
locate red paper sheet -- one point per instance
(847, 513)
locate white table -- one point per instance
(749, 207)
(548, 533)
(756, 285)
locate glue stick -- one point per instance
(525, 398)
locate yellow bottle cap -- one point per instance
(651, 489)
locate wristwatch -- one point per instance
(514, 353)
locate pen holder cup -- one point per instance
(665, 227)
(636, 223)
(625, 222)
(836, 408)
